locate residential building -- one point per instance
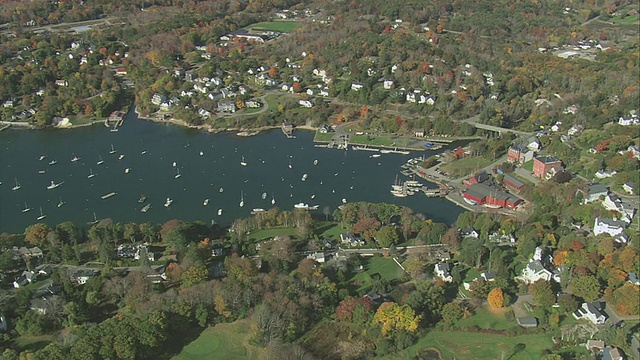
(227, 106)
(591, 311)
(121, 71)
(356, 86)
(611, 353)
(477, 178)
(629, 120)
(608, 226)
(27, 277)
(468, 232)
(544, 164)
(305, 103)
(614, 203)
(350, 240)
(535, 271)
(387, 84)
(603, 174)
(527, 321)
(519, 154)
(253, 104)
(595, 345)
(633, 278)
(593, 192)
(158, 99)
(442, 270)
(317, 256)
(628, 187)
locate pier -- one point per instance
(287, 130)
(117, 118)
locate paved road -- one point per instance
(474, 121)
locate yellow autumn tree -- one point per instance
(496, 298)
(391, 316)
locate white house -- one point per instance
(442, 271)
(593, 192)
(317, 256)
(158, 99)
(305, 103)
(388, 84)
(603, 174)
(628, 187)
(356, 86)
(615, 203)
(535, 271)
(592, 312)
(627, 121)
(350, 239)
(468, 232)
(608, 226)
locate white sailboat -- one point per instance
(168, 202)
(42, 216)
(74, 158)
(26, 208)
(290, 166)
(219, 212)
(273, 200)
(95, 219)
(315, 162)
(206, 202)
(264, 195)
(241, 198)
(61, 203)
(113, 151)
(91, 174)
(53, 162)
(17, 187)
(178, 173)
(221, 190)
(304, 177)
(100, 162)
(54, 185)
(243, 163)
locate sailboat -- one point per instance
(264, 195)
(241, 198)
(273, 200)
(26, 208)
(290, 166)
(95, 219)
(113, 151)
(221, 190)
(100, 162)
(17, 187)
(42, 216)
(315, 162)
(61, 202)
(91, 174)
(243, 163)
(219, 212)
(74, 158)
(178, 174)
(205, 202)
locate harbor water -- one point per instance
(160, 161)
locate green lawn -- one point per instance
(528, 165)
(486, 319)
(386, 267)
(32, 343)
(371, 140)
(329, 230)
(223, 341)
(269, 233)
(479, 346)
(465, 166)
(322, 137)
(281, 26)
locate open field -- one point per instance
(480, 346)
(223, 341)
(385, 267)
(280, 26)
(485, 318)
(33, 343)
(465, 166)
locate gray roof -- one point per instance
(547, 159)
(515, 182)
(527, 321)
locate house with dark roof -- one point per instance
(477, 178)
(535, 271)
(593, 192)
(519, 154)
(591, 311)
(542, 165)
(527, 321)
(442, 270)
(611, 353)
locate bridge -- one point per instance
(474, 121)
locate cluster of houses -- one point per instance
(625, 211)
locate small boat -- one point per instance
(273, 200)
(91, 174)
(145, 208)
(302, 206)
(201, 153)
(106, 196)
(313, 196)
(143, 152)
(221, 190)
(219, 212)
(54, 185)
(243, 163)
(257, 210)
(315, 162)
(41, 171)
(375, 155)
(53, 162)
(74, 158)
(142, 199)
(100, 162)
(121, 157)
(304, 177)
(26, 208)
(61, 202)
(17, 187)
(264, 195)
(127, 170)
(113, 151)
(168, 202)
(95, 219)
(42, 216)
(290, 166)
(175, 164)
(344, 201)
(178, 174)
(241, 198)
(205, 202)
(42, 157)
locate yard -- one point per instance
(223, 341)
(33, 343)
(384, 266)
(465, 166)
(479, 346)
(280, 26)
(486, 318)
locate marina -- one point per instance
(274, 167)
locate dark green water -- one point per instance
(339, 174)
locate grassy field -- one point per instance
(280, 26)
(269, 233)
(32, 343)
(465, 166)
(322, 137)
(223, 341)
(372, 140)
(329, 230)
(480, 346)
(386, 267)
(485, 318)
(528, 165)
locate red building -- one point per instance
(513, 183)
(543, 164)
(484, 195)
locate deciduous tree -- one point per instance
(392, 317)
(496, 298)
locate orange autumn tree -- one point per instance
(496, 298)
